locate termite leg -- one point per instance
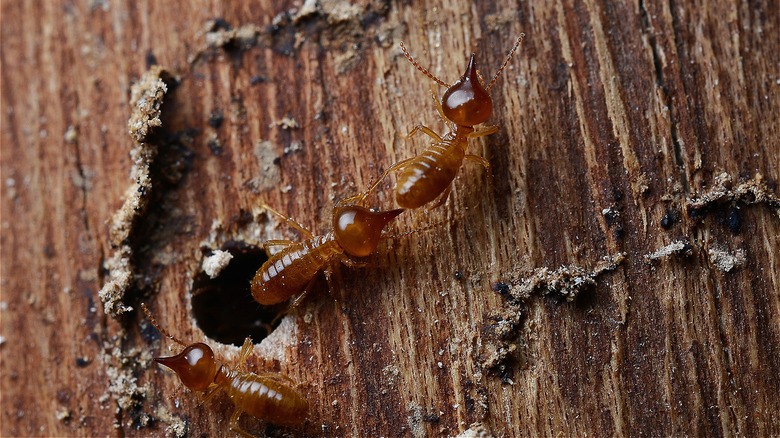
(482, 161)
(428, 131)
(276, 377)
(299, 299)
(279, 242)
(209, 396)
(360, 198)
(306, 233)
(234, 424)
(270, 243)
(328, 278)
(246, 350)
(352, 263)
(395, 167)
(483, 132)
(437, 102)
(442, 199)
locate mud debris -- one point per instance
(501, 334)
(566, 281)
(752, 191)
(146, 101)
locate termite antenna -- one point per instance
(422, 229)
(157, 326)
(506, 61)
(422, 69)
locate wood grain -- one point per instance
(615, 119)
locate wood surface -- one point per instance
(644, 131)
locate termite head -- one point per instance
(358, 230)
(467, 103)
(195, 366)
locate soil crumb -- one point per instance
(725, 260)
(476, 430)
(146, 100)
(753, 191)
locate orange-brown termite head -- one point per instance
(358, 230)
(195, 366)
(467, 102)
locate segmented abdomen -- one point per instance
(288, 272)
(268, 398)
(429, 174)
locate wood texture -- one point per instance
(615, 118)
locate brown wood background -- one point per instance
(613, 116)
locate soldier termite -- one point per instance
(357, 231)
(464, 105)
(268, 396)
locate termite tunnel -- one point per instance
(223, 307)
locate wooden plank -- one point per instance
(645, 132)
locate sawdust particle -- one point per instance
(216, 262)
(415, 420)
(676, 247)
(176, 426)
(286, 123)
(752, 191)
(566, 281)
(268, 176)
(476, 430)
(146, 99)
(725, 260)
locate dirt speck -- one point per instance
(71, 135)
(218, 34)
(120, 365)
(146, 99)
(63, 414)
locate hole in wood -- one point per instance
(223, 307)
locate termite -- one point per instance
(268, 396)
(357, 231)
(464, 105)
